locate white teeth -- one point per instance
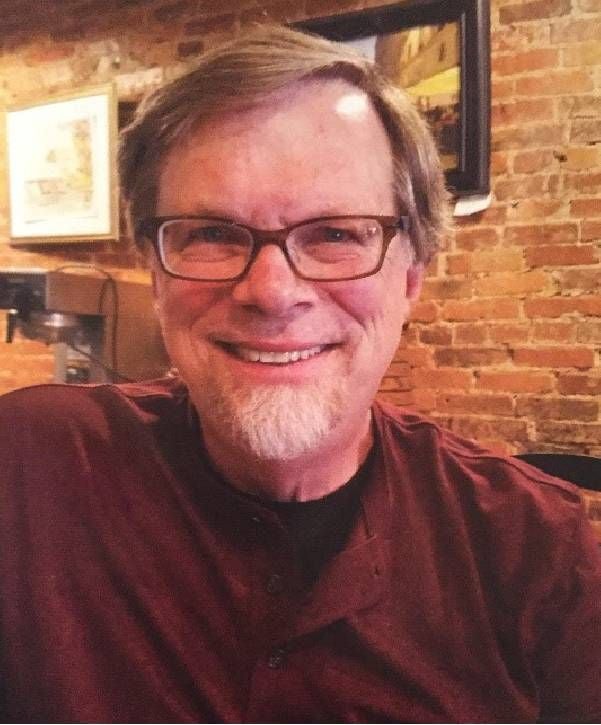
(276, 357)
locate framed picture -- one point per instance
(61, 159)
(439, 52)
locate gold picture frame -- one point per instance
(62, 175)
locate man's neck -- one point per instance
(309, 476)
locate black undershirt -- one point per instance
(320, 528)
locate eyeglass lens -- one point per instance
(321, 249)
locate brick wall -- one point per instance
(504, 345)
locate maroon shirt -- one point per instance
(137, 586)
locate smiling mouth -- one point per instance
(271, 356)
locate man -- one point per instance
(256, 540)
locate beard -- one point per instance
(271, 422)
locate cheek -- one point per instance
(181, 304)
(378, 304)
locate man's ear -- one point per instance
(415, 278)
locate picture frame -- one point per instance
(62, 175)
(439, 51)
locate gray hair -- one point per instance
(244, 72)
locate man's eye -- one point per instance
(335, 234)
(208, 234)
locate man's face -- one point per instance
(276, 365)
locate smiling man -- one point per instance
(256, 539)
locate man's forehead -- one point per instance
(319, 97)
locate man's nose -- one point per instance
(272, 286)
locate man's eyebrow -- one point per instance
(211, 212)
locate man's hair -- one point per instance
(243, 73)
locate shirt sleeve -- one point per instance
(571, 650)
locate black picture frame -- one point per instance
(471, 174)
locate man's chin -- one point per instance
(273, 422)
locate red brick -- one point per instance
(399, 369)
(554, 331)
(574, 31)
(583, 132)
(589, 331)
(442, 378)
(582, 158)
(563, 408)
(586, 207)
(479, 238)
(587, 183)
(558, 83)
(470, 334)
(579, 384)
(389, 382)
(525, 61)
(495, 308)
(588, 280)
(521, 37)
(528, 162)
(498, 163)
(470, 356)
(470, 403)
(558, 306)
(415, 356)
(590, 231)
(436, 335)
(561, 255)
(458, 263)
(441, 289)
(424, 312)
(502, 88)
(515, 381)
(555, 357)
(478, 428)
(526, 136)
(401, 399)
(424, 400)
(557, 233)
(511, 283)
(580, 107)
(498, 260)
(521, 188)
(508, 334)
(529, 209)
(574, 432)
(534, 10)
(494, 215)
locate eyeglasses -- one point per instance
(210, 249)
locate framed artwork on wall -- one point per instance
(61, 162)
(439, 52)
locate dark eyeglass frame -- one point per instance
(149, 229)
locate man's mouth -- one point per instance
(272, 356)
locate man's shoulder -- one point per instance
(463, 463)
(54, 404)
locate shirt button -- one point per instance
(275, 584)
(277, 659)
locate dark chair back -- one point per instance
(584, 471)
